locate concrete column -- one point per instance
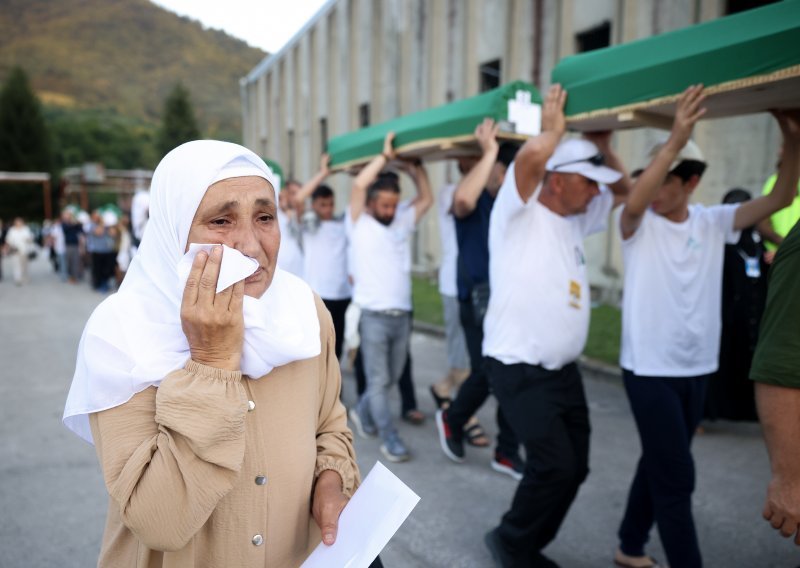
(566, 41)
(471, 84)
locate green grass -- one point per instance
(604, 329)
(426, 300)
(604, 334)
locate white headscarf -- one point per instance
(134, 338)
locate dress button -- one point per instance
(258, 540)
(251, 406)
(261, 480)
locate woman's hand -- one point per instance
(213, 323)
(328, 504)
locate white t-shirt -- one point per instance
(381, 260)
(290, 255)
(672, 297)
(325, 260)
(140, 210)
(447, 233)
(539, 306)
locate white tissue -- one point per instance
(235, 266)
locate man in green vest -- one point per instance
(775, 228)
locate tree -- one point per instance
(178, 124)
(24, 145)
(24, 140)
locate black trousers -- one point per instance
(548, 413)
(408, 398)
(103, 264)
(667, 411)
(337, 308)
(475, 390)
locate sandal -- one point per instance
(624, 561)
(476, 436)
(442, 402)
(414, 417)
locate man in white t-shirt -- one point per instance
(290, 253)
(380, 237)
(325, 248)
(538, 319)
(673, 254)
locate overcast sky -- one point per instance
(267, 24)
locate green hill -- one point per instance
(122, 57)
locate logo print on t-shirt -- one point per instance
(580, 259)
(575, 294)
(693, 244)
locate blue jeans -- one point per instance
(384, 346)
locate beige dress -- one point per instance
(215, 469)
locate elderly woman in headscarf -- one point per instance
(215, 412)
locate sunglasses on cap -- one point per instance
(597, 160)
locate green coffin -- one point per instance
(277, 170)
(442, 131)
(748, 61)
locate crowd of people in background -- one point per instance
(76, 243)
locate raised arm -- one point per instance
(312, 184)
(767, 231)
(358, 196)
(471, 186)
(622, 188)
(531, 159)
(688, 112)
(784, 190)
(424, 199)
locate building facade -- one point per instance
(361, 62)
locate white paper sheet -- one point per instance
(370, 519)
(235, 266)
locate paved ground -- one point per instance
(52, 498)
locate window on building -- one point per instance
(734, 6)
(490, 75)
(363, 115)
(323, 133)
(290, 143)
(593, 38)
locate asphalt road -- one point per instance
(53, 500)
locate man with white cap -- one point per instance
(538, 319)
(673, 254)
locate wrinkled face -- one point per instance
(672, 197)
(383, 206)
(241, 213)
(323, 207)
(577, 192)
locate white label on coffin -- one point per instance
(525, 115)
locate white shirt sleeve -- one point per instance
(595, 219)
(724, 217)
(508, 202)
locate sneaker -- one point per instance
(364, 428)
(394, 449)
(511, 466)
(453, 449)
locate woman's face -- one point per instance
(242, 214)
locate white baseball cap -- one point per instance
(690, 151)
(578, 156)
